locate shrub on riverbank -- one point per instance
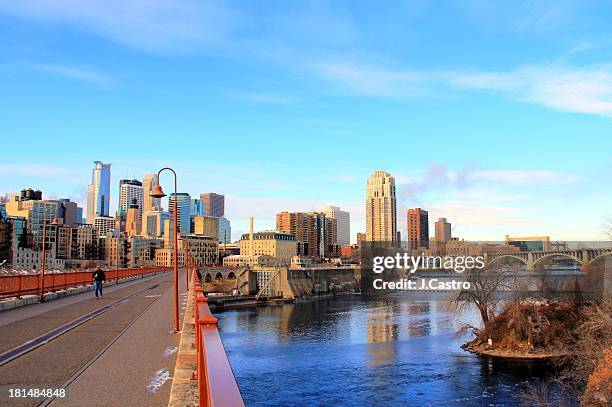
(529, 329)
(578, 336)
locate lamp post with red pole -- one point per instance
(159, 193)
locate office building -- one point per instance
(153, 223)
(197, 207)
(206, 226)
(98, 192)
(131, 193)
(182, 203)
(149, 203)
(381, 209)
(225, 230)
(442, 231)
(417, 227)
(314, 232)
(343, 220)
(36, 211)
(214, 204)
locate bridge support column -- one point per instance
(530, 262)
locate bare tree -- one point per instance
(591, 338)
(484, 285)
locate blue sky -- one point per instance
(497, 116)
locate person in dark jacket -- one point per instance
(99, 278)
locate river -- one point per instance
(362, 350)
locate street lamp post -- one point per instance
(159, 193)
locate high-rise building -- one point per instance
(214, 204)
(442, 231)
(206, 226)
(68, 212)
(343, 219)
(361, 237)
(153, 223)
(381, 208)
(197, 208)
(314, 232)
(79, 215)
(225, 230)
(417, 228)
(149, 203)
(98, 192)
(130, 190)
(183, 203)
(36, 211)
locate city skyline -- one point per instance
(402, 217)
(492, 117)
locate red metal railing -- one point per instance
(16, 286)
(216, 382)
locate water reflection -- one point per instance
(364, 351)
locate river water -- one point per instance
(361, 351)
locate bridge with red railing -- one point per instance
(27, 284)
(123, 342)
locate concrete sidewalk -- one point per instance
(137, 368)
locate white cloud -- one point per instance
(560, 87)
(522, 176)
(564, 88)
(371, 80)
(73, 73)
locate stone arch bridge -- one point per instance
(584, 257)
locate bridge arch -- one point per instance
(551, 255)
(507, 256)
(231, 275)
(208, 278)
(219, 276)
(601, 256)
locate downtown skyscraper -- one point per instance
(182, 203)
(150, 203)
(343, 219)
(98, 192)
(417, 227)
(214, 204)
(130, 190)
(381, 209)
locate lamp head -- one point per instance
(157, 192)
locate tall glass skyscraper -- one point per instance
(225, 230)
(182, 202)
(98, 192)
(214, 204)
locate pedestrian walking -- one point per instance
(99, 278)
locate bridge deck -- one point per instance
(123, 356)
